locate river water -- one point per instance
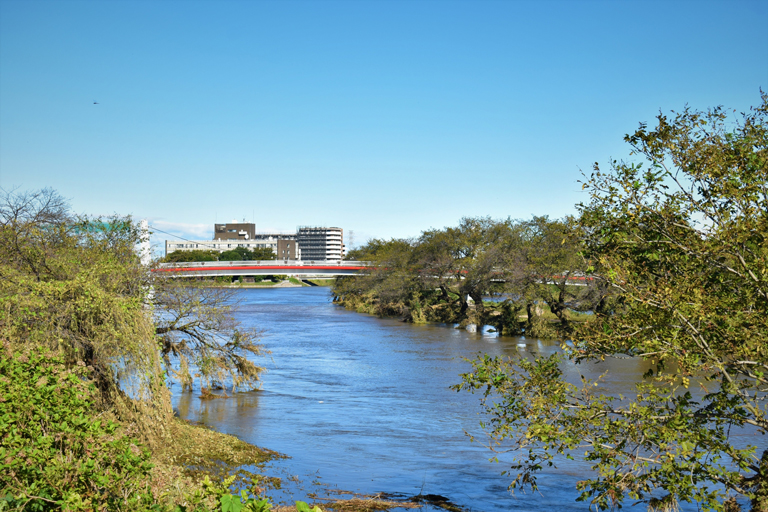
(363, 404)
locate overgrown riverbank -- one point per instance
(533, 269)
(88, 340)
(62, 450)
(506, 316)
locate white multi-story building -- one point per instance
(231, 236)
(321, 243)
(278, 246)
(308, 243)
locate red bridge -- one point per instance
(296, 268)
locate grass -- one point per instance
(322, 282)
(195, 452)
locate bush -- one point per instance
(55, 451)
(230, 256)
(191, 256)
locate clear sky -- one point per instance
(381, 117)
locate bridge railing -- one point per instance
(265, 263)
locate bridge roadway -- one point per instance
(297, 268)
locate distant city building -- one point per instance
(308, 243)
(287, 249)
(227, 237)
(234, 231)
(321, 243)
(226, 245)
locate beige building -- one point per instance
(308, 243)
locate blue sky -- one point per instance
(381, 117)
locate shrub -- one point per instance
(55, 451)
(230, 256)
(191, 256)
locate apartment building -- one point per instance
(227, 237)
(321, 243)
(308, 243)
(223, 245)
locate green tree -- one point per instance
(681, 238)
(243, 254)
(191, 256)
(446, 274)
(76, 285)
(262, 254)
(545, 256)
(232, 255)
(468, 261)
(386, 288)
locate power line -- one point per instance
(171, 234)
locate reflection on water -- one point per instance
(364, 404)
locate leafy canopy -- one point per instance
(680, 238)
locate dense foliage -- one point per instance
(681, 239)
(55, 451)
(191, 256)
(243, 254)
(444, 276)
(236, 254)
(75, 286)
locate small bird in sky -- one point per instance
(95, 102)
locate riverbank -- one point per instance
(503, 317)
(291, 282)
(198, 453)
(265, 284)
(364, 404)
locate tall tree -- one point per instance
(468, 260)
(681, 238)
(387, 286)
(76, 285)
(544, 262)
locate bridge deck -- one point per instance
(297, 268)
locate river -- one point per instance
(363, 404)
